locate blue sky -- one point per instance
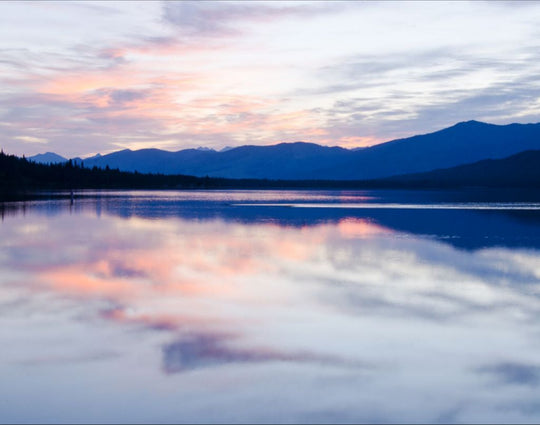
(80, 78)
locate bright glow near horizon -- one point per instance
(79, 78)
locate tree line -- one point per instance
(20, 175)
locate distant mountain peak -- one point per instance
(47, 157)
(471, 123)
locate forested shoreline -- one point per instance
(20, 178)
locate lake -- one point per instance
(271, 306)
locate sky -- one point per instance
(80, 78)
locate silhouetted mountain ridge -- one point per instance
(47, 158)
(462, 143)
(519, 170)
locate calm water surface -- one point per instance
(242, 306)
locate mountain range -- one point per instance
(519, 170)
(463, 143)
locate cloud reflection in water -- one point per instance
(350, 310)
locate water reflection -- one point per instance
(191, 310)
(459, 219)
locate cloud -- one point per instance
(513, 373)
(197, 18)
(30, 139)
(199, 351)
(97, 356)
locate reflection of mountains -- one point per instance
(465, 229)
